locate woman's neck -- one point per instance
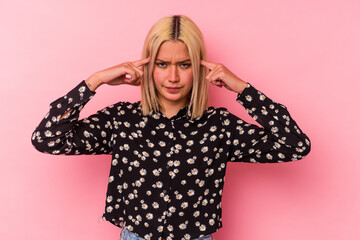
(170, 109)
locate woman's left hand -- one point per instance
(220, 76)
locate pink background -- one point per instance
(304, 54)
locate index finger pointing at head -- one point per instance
(209, 65)
(141, 62)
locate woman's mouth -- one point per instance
(173, 89)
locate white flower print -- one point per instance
(109, 209)
(204, 149)
(213, 138)
(248, 98)
(157, 153)
(48, 133)
(172, 174)
(149, 216)
(142, 172)
(191, 161)
(138, 183)
(111, 178)
(182, 226)
(184, 205)
(172, 209)
(194, 171)
(134, 134)
(191, 192)
(159, 184)
(156, 172)
(48, 124)
(136, 163)
(202, 183)
(82, 89)
(211, 222)
(274, 129)
(55, 152)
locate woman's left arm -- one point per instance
(278, 140)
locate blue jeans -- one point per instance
(127, 235)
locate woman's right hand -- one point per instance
(125, 73)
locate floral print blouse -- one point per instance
(167, 175)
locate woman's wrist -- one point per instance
(240, 87)
(93, 82)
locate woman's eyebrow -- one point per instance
(159, 60)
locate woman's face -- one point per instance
(173, 75)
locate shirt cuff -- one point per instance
(81, 93)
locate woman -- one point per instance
(169, 151)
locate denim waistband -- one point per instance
(128, 235)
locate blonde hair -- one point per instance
(175, 28)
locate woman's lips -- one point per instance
(173, 89)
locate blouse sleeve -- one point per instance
(68, 135)
(278, 140)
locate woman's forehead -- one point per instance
(173, 51)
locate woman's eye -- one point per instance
(160, 64)
(185, 65)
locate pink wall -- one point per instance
(304, 54)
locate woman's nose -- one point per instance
(174, 76)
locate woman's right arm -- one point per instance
(60, 132)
